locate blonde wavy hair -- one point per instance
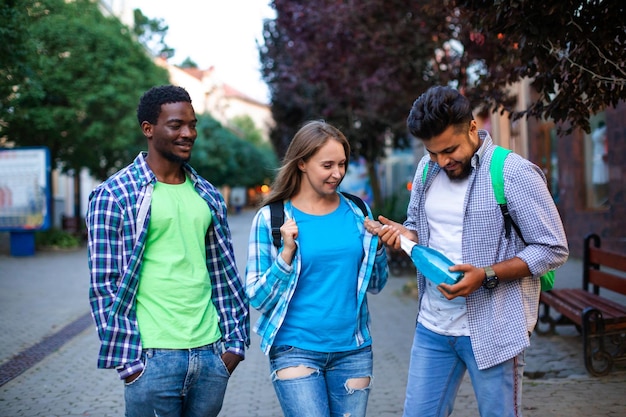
(305, 143)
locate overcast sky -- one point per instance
(219, 33)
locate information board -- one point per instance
(24, 189)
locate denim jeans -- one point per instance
(178, 382)
(326, 390)
(436, 370)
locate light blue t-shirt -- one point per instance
(322, 314)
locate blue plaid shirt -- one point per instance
(117, 222)
(500, 319)
(270, 282)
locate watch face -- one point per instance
(491, 280)
(490, 283)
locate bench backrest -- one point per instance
(597, 266)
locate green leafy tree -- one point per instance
(358, 65)
(245, 128)
(573, 51)
(76, 90)
(151, 33)
(224, 158)
(15, 46)
(264, 162)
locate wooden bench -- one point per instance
(601, 322)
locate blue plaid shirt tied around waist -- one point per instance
(117, 223)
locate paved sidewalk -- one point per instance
(42, 294)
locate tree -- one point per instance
(574, 52)
(358, 65)
(246, 129)
(151, 33)
(224, 158)
(77, 88)
(14, 51)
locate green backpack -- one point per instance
(497, 182)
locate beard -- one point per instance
(466, 170)
(175, 158)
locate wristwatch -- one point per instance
(491, 280)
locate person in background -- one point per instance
(311, 292)
(168, 302)
(482, 324)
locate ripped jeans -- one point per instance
(335, 384)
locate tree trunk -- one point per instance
(375, 184)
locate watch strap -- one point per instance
(489, 272)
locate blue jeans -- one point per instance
(325, 388)
(436, 370)
(178, 382)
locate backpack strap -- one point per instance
(425, 173)
(277, 218)
(496, 170)
(356, 200)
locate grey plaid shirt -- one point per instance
(499, 320)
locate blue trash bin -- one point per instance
(22, 243)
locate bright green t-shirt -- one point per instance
(174, 307)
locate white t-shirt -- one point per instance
(444, 210)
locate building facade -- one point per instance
(222, 101)
(587, 176)
(586, 172)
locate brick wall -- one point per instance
(578, 219)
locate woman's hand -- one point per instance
(373, 227)
(289, 233)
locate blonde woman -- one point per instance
(311, 291)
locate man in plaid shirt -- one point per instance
(482, 324)
(165, 293)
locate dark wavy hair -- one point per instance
(150, 103)
(437, 109)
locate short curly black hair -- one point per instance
(437, 109)
(149, 107)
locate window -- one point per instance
(596, 164)
(553, 171)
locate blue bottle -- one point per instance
(430, 262)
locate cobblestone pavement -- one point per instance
(42, 294)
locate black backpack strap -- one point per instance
(357, 200)
(508, 222)
(277, 218)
